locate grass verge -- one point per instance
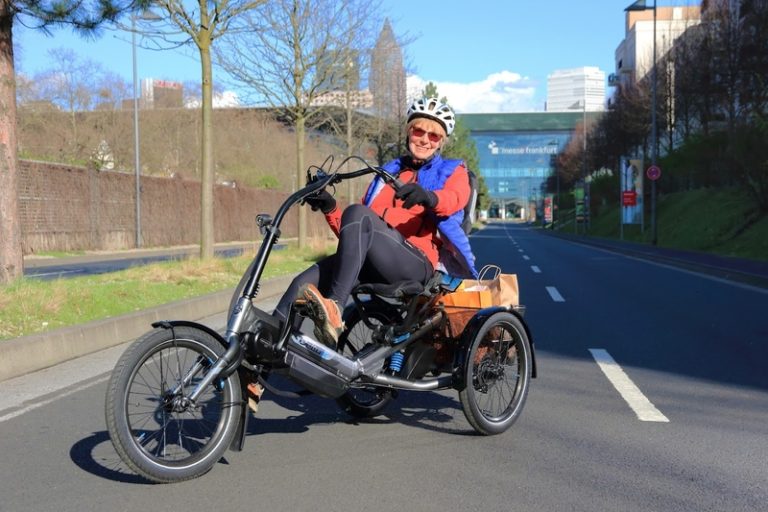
(30, 306)
(719, 221)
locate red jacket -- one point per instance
(418, 229)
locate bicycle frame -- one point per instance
(243, 307)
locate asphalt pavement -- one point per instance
(31, 353)
(747, 271)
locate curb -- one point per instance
(27, 354)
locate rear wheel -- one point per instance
(157, 431)
(497, 374)
(367, 401)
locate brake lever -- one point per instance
(319, 175)
(393, 181)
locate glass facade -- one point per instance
(515, 164)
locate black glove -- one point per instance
(322, 201)
(413, 194)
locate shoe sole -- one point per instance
(324, 331)
(254, 392)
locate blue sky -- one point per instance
(484, 55)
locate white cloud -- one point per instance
(220, 100)
(499, 92)
(226, 99)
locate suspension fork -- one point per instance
(191, 374)
(231, 359)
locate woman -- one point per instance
(392, 236)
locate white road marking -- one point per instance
(526, 257)
(643, 407)
(50, 400)
(536, 270)
(59, 273)
(555, 294)
(716, 279)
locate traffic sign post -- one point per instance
(653, 173)
(629, 198)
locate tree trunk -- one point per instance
(206, 171)
(11, 262)
(300, 129)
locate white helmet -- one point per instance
(431, 108)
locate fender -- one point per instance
(170, 324)
(466, 340)
(242, 425)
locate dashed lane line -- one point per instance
(555, 294)
(536, 270)
(635, 398)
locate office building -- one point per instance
(572, 89)
(634, 55)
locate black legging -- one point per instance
(369, 251)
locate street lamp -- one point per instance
(136, 161)
(148, 16)
(639, 5)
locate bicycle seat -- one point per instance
(401, 290)
(404, 290)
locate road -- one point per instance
(651, 396)
(92, 265)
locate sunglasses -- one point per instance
(419, 133)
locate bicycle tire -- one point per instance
(497, 374)
(151, 430)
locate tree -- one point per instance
(69, 84)
(85, 16)
(291, 53)
(199, 24)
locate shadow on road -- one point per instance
(432, 411)
(95, 455)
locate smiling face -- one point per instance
(425, 136)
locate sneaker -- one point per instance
(325, 313)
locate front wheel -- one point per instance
(155, 429)
(497, 373)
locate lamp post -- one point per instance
(639, 5)
(584, 160)
(136, 161)
(147, 15)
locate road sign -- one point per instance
(653, 172)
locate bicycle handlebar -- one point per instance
(388, 178)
